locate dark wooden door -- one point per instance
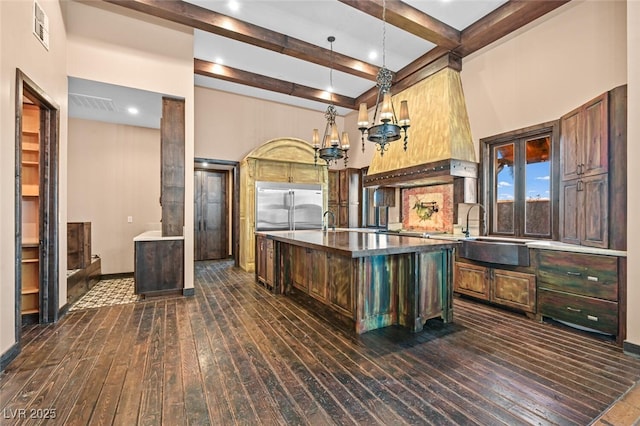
(211, 212)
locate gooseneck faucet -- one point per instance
(333, 221)
(466, 232)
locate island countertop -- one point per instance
(359, 244)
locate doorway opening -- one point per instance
(216, 209)
(36, 205)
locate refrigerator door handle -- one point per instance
(292, 211)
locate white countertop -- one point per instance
(155, 236)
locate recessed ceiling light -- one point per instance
(233, 5)
(373, 55)
(330, 89)
(219, 60)
(133, 110)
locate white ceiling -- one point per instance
(356, 33)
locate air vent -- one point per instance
(40, 25)
(93, 102)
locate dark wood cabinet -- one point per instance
(78, 245)
(582, 289)
(172, 177)
(159, 266)
(590, 140)
(265, 267)
(584, 140)
(310, 272)
(509, 288)
(344, 198)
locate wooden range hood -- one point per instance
(440, 147)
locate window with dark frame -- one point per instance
(519, 182)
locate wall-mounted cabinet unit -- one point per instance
(31, 209)
(593, 172)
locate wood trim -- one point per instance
(502, 21)
(411, 20)
(235, 75)
(9, 356)
(226, 26)
(618, 168)
(50, 130)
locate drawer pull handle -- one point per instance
(575, 274)
(592, 318)
(569, 308)
(590, 278)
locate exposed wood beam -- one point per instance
(226, 26)
(247, 78)
(410, 19)
(502, 21)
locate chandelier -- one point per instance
(333, 147)
(389, 128)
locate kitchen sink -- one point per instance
(488, 250)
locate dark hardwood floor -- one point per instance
(236, 354)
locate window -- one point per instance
(519, 182)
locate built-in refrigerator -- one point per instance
(286, 206)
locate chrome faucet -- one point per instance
(333, 222)
(466, 231)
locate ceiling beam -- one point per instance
(216, 23)
(502, 21)
(411, 20)
(223, 72)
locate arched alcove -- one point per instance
(277, 160)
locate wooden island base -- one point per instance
(371, 279)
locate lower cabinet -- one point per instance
(159, 266)
(265, 267)
(504, 287)
(581, 289)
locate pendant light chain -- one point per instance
(384, 32)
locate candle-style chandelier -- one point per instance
(333, 147)
(389, 128)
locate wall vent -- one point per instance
(92, 102)
(40, 25)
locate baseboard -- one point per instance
(116, 276)
(9, 356)
(631, 349)
(188, 291)
(63, 311)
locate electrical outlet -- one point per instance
(130, 219)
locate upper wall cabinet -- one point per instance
(593, 172)
(584, 140)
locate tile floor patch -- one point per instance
(106, 293)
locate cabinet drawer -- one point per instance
(601, 315)
(585, 274)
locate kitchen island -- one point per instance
(372, 279)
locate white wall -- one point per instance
(633, 178)
(229, 126)
(19, 48)
(111, 44)
(114, 173)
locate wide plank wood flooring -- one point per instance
(236, 354)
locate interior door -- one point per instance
(211, 212)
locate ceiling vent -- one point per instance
(92, 102)
(40, 25)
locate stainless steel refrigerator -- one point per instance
(286, 206)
